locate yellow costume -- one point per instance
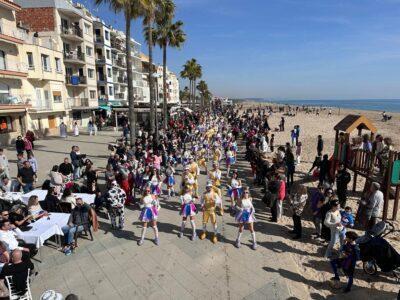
(215, 177)
(217, 155)
(201, 161)
(188, 181)
(194, 170)
(209, 202)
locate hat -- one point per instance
(51, 295)
(209, 184)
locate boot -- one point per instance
(214, 239)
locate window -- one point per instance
(92, 94)
(2, 60)
(109, 74)
(108, 54)
(87, 28)
(110, 91)
(46, 63)
(46, 95)
(5, 124)
(107, 35)
(91, 73)
(58, 65)
(57, 97)
(31, 65)
(89, 51)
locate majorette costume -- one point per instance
(155, 185)
(245, 212)
(170, 179)
(215, 177)
(230, 158)
(150, 207)
(195, 171)
(188, 180)
(209, 201)
(235, 190)
(188, 208)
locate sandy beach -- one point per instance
(314, 269)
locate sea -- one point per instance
(388, 105)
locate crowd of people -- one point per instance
(137, 174)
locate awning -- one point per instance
(57, 93)
(105, 107)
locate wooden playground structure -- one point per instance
(364, 160)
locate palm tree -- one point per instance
(168, 34)
(202, 87)
(131, 9)
(152, 11)
(192, 71)
(184, 94)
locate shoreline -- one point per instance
(300, 104)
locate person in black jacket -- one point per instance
(66, 167)
(273, 188)
(343, 178)
(324, 169)
(51, 200)
(20, 145)
(18, 269)
(320, 145)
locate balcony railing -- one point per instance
(118, 46)
(123, 80)
(78, 102)
(119, 96)
(42, 104)
(99, 39)
(100, 59)
(72, 31)
(7, 99)
(101, 77)
(74, 55)
(12, 31)
(14, 66)
(75, 80)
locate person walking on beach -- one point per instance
(282, 124)
(290, 166)
(320, 145)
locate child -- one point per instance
(350, 253)
(293, 136)
(298, 152)
(271, 142)
(170, 179)
(347, 220)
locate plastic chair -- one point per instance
(13, 292)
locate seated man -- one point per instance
(8, 237)
(18, 269)
(78, 221)
(7, 185)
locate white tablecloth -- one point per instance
(39, 234)
(41, 194)
(11, 196)
(59, 219)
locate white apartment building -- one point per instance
(70, 26)
(172, 92)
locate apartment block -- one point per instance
(172, 92)
(70, 26)
(13, 73)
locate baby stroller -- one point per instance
(376, 252)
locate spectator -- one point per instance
(78, 221)
(34, 208)
(32, 160)
(51, 200)
(56, 179)
(317, 201)
(26, 177)
(68, 198)
(28, 146)
(298, 201)
(7, 185)
(20, 145)
(333, 221)
(290, 166)
(324, 169)
(4, 165)
(343, 178)
(4, 255)
(30, 136)
(18, 219)
(76, 162)
(20, 160)
(19, 270)
(373, 206)
(66, 167)
(8, 237)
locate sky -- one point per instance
(287, 49)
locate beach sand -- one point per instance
(308, 253)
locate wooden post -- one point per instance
(355, 181)
(396, 203)
(386, 183)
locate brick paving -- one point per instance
(114, 267)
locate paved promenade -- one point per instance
(114, 267)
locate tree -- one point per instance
(131, 9)
(184, 94)
(192, 71)
(168, 34)
(202, 87)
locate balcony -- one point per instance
(12, 34)
(13, 69)
(120, 96)
(74, 57)
(73, 33)
(100, 59)
(99, 39)
(12, 100)
(101, 78)
(122, 80)
(118, 63)
(43, 105)
(118, 46)
(78, 102)
(75, 80)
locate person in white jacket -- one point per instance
(333, 221)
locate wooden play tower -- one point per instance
(363, 161)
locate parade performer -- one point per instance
(215, 176)
(187, 179)
(202, 159)
(234, 189)
(188, 209)
(245, 215)
(209, 201)
(116, 198)
(155, 182)
(150, 207)
(195, 171)
(230, 160)
(170, 179)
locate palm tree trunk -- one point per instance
(190, 94)
(194, 94)
(151, 82)
(165, 91)
(131, 99)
